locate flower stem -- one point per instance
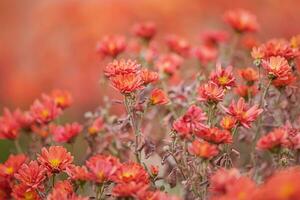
(17, 145)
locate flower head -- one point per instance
(241, 20)
(274, 139)
(121, 67)
(145, 30)
(148, 76)
(215, 135)
(65, 133)
(131, 172)
(211, 92)
(228, 122)
(213, 38)
(205, 54)
(62, 99)
(242, 113)
(32, 175)
(223, 77)
(130, 189)
(277, 67)
(112, 45)
(78, 173)
(246, 91)
(9, 125)
(127, 83)
(178, 45)
(23, 192)
(12, 165)
(249, 74)
(55, 159)
(96, 126)
(190, 122)
(158, 97)
(169, 63)
(203, 149)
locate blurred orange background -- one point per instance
(48, 44)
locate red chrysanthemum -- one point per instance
(9, 125)
(12, 165)
(131, 172)
(205, 54)
(158, 97)
(274, 139)
(65, 133)
(246, 91)
(178, 45)
(23, 192)
(223, 77)
(112, 45)
(78, 173)
(127, 83)
(148, 76)
(215, 135)
(211, 92)
(168, 63)
(121, 67)
(145, 30)
(63, 99)
(96, 126)
(203, 149)
(228, 122)
(249, 74)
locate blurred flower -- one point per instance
(149, 76)
(213, 38)
(178, 45)
(65, 133)
(131, 172)
(249, 74)
(203, 149)
(241, 20)
(295, 42)
(78, 173)
(228, 122)
(12, 165)
(112, 45)
(246, 91)
(215, 135)
(63, 190)
(169, 63)
(32, 175)
(190, 122)
(121, 67)
(23, 192)
(130, 189)
(44, 111)
(97, 126)
(154, 195)
(145, 30)
(211, 92)
(223, 77)
(205, 54)
(9, 125)
(62, 99)
(24, 119)
(158, 97)
(42, 131)
(274, 139)
(102, 167)
(154, 170)
(55, 158)
(242, 113)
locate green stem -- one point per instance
(53, 180)
(17, 145)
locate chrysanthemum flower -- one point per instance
(158, 97)
(42, 131)
(215, 135)
(63, 190)
(130, 189)
(78, 173)
(190, 122)
(213, 38)
(65, 133)
(102, 167)
(154, 195)
(24, 119)
(228, 122)
(9, 125)
(246, 91)
(283, 185)
(241, 20)
(274, 139)
(96, 126)
(148, 76)
(178, 45)
(145, 30)
(62, 99)
(169, 63)
(23, 192)
(121, 67)
(32, 175)
(12, 165)
(222, 179)
(127, 83)
(284, 81)
(5, 189)
(211, 92)
(131, 172)
(277, 67)
(249, 74)
(44, 111)
(112, 45)
(205, 54)
(223, 77)
(55, 159)
(242, 113)
(203, 149)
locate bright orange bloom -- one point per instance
(284, 81)
(178, 45)
(205, 54)
(145, 30)
(274, 139)
(63, 190)
(295, 42)
(112, 45)
(241, 20)
(158, 97)
(190, 122)
(121, 67)
(44, 111)
(283, 185)
(249, 74)
(203, 149)
(223, 77)
(222, 180)
(78, 173)
(242, 113)
(130, 189)
(211, 92)
(215, 135)
(12, 165)
(97, 126)
(169, 63)
(127, 83)
(228, 122)
(9, 125)
(277, 67)
(148, 76)
(55, 159)
(131, 172)
(62, 99)
(246, 91)
(42, 131)
(23, 192)
(65, 133)
(32, 175)
(102, 167)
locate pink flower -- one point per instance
(211, 92)
(65, 133)
(223, 77)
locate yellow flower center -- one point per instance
(242, 195)
(60, 100)
(9, 170)
(45, 113)
(286, 191)
(55, 162)
(127, 174)
(223, 80)
(28, 196)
